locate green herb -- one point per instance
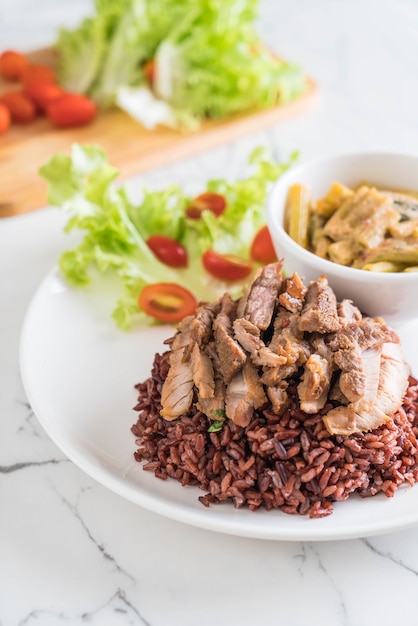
(114, 229)
(219, 413)
(216, 426)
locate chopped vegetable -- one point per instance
(168, 251)
(297, 214)
(203, 58)
(115, 230)
(262, 248)
(226, 266)
(167, 302)
(207, 201)
(216, 426)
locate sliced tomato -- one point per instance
(207, 201)
(167, 302)
(262, 249)
(226, 266)
(168, 251)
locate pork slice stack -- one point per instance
(235, 357)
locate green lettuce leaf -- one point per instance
(209, 59)
(114, 229)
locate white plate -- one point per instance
(79, 373)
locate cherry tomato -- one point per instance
(149, 70)
(226, 266)
(37, 73)
(168, 251)
(262, 249)
(71, 110)
(4, 118)
(12, 65)
(42, 93)
(21, 108)
(207, 201)
(167, 302)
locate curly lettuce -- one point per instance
(208, 60)
(114, 228)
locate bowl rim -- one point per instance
(325, 266)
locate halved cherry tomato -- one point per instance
(4, 118)
(21, 108)
(262, 249)
(149, 70)
(226, 266)
(12, 65)
(167, 302)
(207, 201)
(168, 251)
(42, 93)
(71, 109)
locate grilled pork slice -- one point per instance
(292, 294)
(319, 313)
(314, 388)
(289, 339)
(201, 324)
(347, 312)
(278, 397)
(177, 390)
(262, 296)
(316, 380)
(244, 394)
(202, 372)
(384, 393)
(351, 345)
(230, 354)
(213, 406)
(248, 335)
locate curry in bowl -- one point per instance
(365, 228)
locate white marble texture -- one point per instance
(72, 552)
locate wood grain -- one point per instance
(130, 147)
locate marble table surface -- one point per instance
(71, 551)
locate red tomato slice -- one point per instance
(167, 302)
(168, 251)
(262, 249)
(226, 266)
(207, 201)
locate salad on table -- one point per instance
(175, 62)
(168, 250)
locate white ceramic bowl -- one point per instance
(393, 296)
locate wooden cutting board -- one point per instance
(130, 147)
